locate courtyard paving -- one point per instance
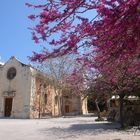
(72, 128)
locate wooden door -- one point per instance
(8, 107)
(67, 110)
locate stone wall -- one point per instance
(42, 97)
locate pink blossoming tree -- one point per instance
(105, 34)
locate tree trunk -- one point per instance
(121, 110)
(98, 109)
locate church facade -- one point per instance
(25, 92)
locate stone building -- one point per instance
(25, 92)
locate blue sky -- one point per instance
(15, 38)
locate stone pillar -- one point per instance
(84, 105)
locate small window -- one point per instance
(11, 73)
(45, 98)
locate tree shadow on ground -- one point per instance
(74, 130)
(94, 126)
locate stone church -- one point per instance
(26, 92)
